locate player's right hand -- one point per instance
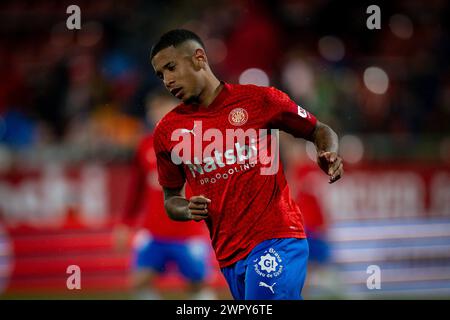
(198, 207)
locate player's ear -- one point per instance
(199, 59)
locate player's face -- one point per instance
(176, 69)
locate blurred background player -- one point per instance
(161, 241)
(323, 280)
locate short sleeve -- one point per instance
(170, 175)
(288, 116)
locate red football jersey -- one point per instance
(145, 200)
(247, 206)
(314, 217)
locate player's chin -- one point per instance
(189, 99)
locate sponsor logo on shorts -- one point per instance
(269, 265)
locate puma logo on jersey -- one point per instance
(263, 284)
(189, 131)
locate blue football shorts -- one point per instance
(191, 256)
(319, 249)
(274, 270)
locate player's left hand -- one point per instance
(121, 235)
(331, 163)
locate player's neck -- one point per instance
(211, 91)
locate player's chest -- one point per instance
(229, 117)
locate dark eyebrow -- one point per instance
(164, 67)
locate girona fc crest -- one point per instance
(238, 117)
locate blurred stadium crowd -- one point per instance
(73, 108)
(84, 91)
